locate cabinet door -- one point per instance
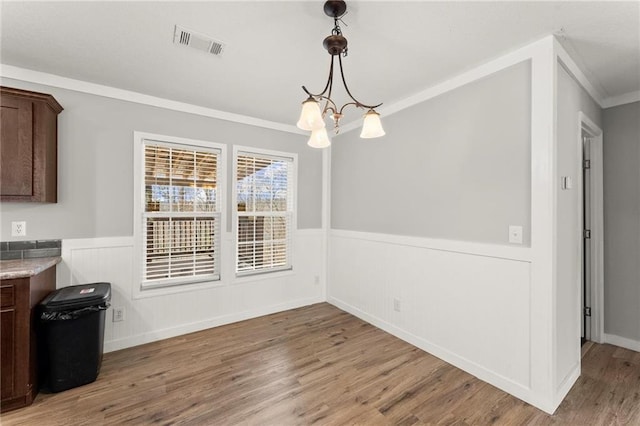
(16, 147)
(7, 353)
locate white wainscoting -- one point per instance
(466, 303)
(164, 315)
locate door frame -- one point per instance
(585, 124)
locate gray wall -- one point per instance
(457, 166)
(95, 164)
(621, 145)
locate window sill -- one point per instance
(143, 293)
(243, 279)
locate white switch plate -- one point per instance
(515, 234)
(566, 182)
(18, 229)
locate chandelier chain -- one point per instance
(338, 31)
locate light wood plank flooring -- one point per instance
(319, 365)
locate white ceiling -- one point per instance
(396, 48)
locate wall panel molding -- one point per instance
(452, 304)
(179, 311)
(514, 252)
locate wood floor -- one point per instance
(319, 365)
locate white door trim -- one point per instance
(597, 222)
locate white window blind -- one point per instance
(182, 213)
(265, 212)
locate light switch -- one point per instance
(515, 234)
(566, 182)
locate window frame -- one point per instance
(178, 284)
(292, 189)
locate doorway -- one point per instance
(586, 238)
(592, 232)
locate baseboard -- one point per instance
(166, 333)
(623, 342)
(566, 385)
(516, 389)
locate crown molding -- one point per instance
(570, 65)
(511, 58)
(626, 98)
(31, 76)
(573, 68)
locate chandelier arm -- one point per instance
(350, 103)
(329, 80)
(344, 83)
(327, 86)
(327, 109)
(328, 97)
(307, 92)
(333, 106)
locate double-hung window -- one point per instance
(265, 210)
(181, 205)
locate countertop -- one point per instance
(22, 268)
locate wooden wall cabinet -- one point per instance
(18, 351)
(28, 146)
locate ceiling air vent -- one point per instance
(204, 43)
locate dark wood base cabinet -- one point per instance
(18, 351)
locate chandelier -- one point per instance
(312, 117)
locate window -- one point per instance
(181, 202)
(265, 210)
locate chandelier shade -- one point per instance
(312, 115)
(372, 127)
(319, 138)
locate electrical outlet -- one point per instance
(396, 305)
(118, 314)
(316, 280)
(19, 229)
(515, 234)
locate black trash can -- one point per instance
(71, 335)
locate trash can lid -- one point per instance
(76, 297)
